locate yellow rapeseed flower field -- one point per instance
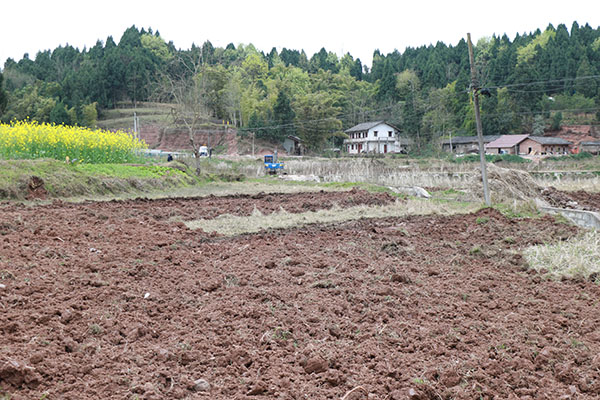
(28, 140)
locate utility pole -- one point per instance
(475, 89)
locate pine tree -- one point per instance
(283, 116)
(585, 85)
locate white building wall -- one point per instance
(372, 143)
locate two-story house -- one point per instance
(374, 137)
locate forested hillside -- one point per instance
(536, 81)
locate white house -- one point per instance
(374, 137)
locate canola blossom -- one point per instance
(29, 140)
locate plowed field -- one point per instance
(117, 301)
(579, 199)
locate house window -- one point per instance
(375, 133)
(390, 133)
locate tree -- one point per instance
(232, 97)
(183, 90)
(438, 119)
(556, 121)
(89, 114)
(387, 85)
(29, 102)
(59, 115)
(538, 125)
(316, 118)
(283, 116)
(408, 87)
(585, 85)
(3, 96)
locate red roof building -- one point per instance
(505, 144)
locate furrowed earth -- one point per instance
(121, 300)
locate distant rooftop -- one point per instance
(470, 139)
(365, 126)
(506, 141)
(549, 140)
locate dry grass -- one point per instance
(231, 225)
(388, 172)
(212, 188)
(570, 184)
(576, 257)
(506, 185)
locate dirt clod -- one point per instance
(315, 365)
(201, 385)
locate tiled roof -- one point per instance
(506, 141)
(549, 140)
(470, 139)
(365, 126)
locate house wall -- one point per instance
(536, 148)
(555, 149)
(382, 132)
(503, 150)
(461, 148)
(372, 146)
(594, 149)
(542, 149)
(371, 143)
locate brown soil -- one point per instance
(105, 300)
(209, 207)
(35, 188)
(580, 200)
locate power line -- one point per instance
(299, 123)
(373, 111)
(543, 82)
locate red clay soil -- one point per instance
(104, 300)
(211, 206)
(580, 200)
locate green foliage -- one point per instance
(482, 220)
(570, 157)
(89, 115)
(315, 119)
(526, 53)
(68, 180)
(422, 90)
(157, 46)
(59, 115)
(283, 117)
(3, 95)
(538, 125)
(556, 121)
(576, 101)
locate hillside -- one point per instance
(536, 79)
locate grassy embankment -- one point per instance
(56, 179)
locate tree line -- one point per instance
(534, 81)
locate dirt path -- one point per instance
(111, 300)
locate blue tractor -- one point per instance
(272, 167)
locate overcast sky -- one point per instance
(358, 27)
